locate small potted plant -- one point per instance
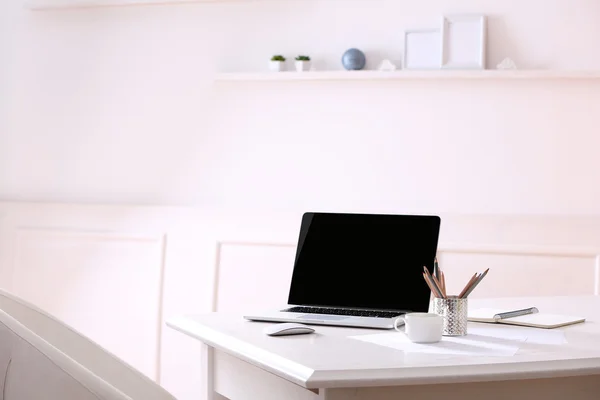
(302, 63)
(277, 63)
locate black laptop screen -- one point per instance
(364, 261)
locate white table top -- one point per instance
(330, 359)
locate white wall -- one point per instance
(117, 105)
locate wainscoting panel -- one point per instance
(252, 276)
(115, 273)
(105, 285)
(513, 275)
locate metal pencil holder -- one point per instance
(454, 311)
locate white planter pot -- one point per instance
(302, 66)
(276, 66)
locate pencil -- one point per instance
(468, 285)
(440, 286)
(477, 282)
(434, 282)
(444, 282)
(439, 274)
(431, 284)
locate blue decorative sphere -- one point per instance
(354, 59)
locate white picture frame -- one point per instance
(422, 48)
(464, 42)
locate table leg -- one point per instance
(208, 374)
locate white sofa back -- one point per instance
(32, 369)
(65, 340)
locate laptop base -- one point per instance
(324, 319)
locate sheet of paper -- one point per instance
(496, 341)
(460, 346)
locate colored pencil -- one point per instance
(468, 285)
(477, 282)
(439, 274)
(440, 286)
(434, 282)
(444, 283)
(431, 284)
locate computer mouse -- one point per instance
(288, 328)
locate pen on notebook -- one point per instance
(516, 313)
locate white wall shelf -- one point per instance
(67, 4)
(407, 75)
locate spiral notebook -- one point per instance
(525, 317)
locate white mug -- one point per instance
(421, 327)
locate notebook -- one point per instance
(525, 317)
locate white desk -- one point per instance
(242, 363)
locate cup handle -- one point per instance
(397, 321)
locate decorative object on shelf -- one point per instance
(354, 60)
(422, 49)
(302, 63)
(387, 65)
(507, 63)
(277, 63)
(464, 40)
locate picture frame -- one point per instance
(464, 42)
(422, 49)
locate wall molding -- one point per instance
(90, 233)
(521, 250)
(217, 261)
(463, 248)
(161, 299)
(74, 4)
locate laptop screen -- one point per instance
(364, 261)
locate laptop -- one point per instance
(359, 270)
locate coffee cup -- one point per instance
(421, 327)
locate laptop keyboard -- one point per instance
(344, 311)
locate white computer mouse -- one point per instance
(288, 328)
